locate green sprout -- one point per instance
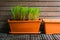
(15, 11)
(23, 13)
(33, 13)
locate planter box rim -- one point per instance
(52, 20)
(24, 21)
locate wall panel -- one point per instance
(49, 9)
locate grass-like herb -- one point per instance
(23, 13)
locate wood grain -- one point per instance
(49, 9)
(51, 14)
(41, 14)
(30, 4)
(6, 16)
(29, 0)
(43, 9)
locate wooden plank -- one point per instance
(2, 23)
(2, 13)
(49, 8)
(30, 4)
(41, 13)
(46, 17)
(1, 3)
(50, 13)
(4, 18)
(29, 0)
(5, 8)
(41, 17)
(41, 8)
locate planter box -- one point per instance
(24, 26)
(52, 26)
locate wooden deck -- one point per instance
(4, 36)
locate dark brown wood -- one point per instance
(49, 17)
(31, 4)
(30, 36)
(4, 18)
(49, 9)
(41, 14)
(43, 9)
(29, 0)
(50, 14)
(2, 13)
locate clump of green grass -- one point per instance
(23, 13)
(33, 13)
(16, 12)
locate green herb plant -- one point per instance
(15, 12)
(23, 13)
(33, 13)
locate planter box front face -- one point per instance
(52, 26)
(24, 26)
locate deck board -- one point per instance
(29, 36)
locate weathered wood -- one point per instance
(41, 14)
(2, 23)
(30, 4)
(2, 13)
(50, 14)
(30, 37)
(43, 9)
(49, 9)
(29, 0)
(4, 18)
(49, 17)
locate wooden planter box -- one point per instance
(24, 26)
(52, 26)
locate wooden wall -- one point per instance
(49, 9)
